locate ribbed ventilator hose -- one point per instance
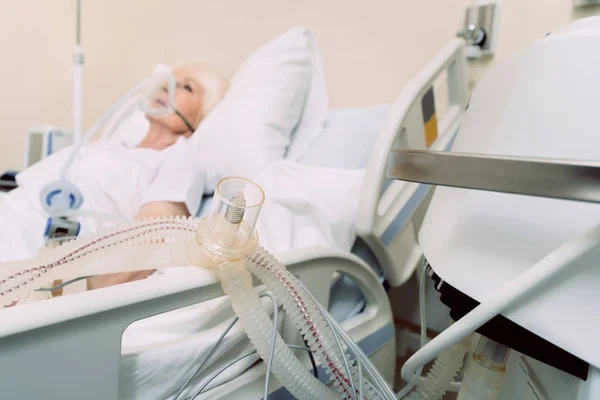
(165, 242)
(287, 368)
(445, 368)
(307, 318)
(130, 246)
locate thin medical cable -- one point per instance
(219, 372)
(312, 361)
(273, 338)
(337, 340)
(349, 371)
(228, 365)
(214, 348)
(341, 348)
(199, 367)
(423, 321)
(62, 285)
(336, 328)
(371, 370)
(305, 348)
(361, 382)
(541, 273)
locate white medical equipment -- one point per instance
(43, 140)
(96, 320)
(515, 258)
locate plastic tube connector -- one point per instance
(228, 233)
(445, 368)
(484, 375)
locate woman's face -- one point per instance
(189, 96)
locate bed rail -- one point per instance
(388, 220)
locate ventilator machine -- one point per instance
(511, 237)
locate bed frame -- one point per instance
(69, 347)
(391, 212)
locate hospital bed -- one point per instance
(70, 347)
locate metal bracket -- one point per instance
(479, 29)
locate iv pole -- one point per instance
(77, 72)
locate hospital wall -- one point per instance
(371, 48)
(522, 22)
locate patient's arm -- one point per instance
(156, 209)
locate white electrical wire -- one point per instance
(361, 381)
(220, 340)
(541, 273)
(272, 349)
(361, 357)
(423, 321)
(219, 372)
(379, 383)
(346, 365)
(218, 343)
(228, 365)
(199, 367)
(336, 337)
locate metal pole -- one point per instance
(552, 178)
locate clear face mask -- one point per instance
(158, 97)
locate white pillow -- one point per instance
(278, 95)
(348, 139)
(251, 127)
(314, 114)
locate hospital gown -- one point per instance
(113, 179)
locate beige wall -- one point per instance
(371, 47)
(523, 21)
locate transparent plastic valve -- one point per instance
(491, 354)
(229, 230)
(483, 378)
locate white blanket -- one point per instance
(305, 206)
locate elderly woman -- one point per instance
(152, 179)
